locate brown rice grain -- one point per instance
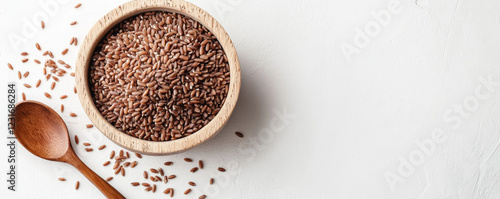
(153, 170)
(73, 23)
(138, 155)
(78, 5)
(53, 85)
(38, 47)
(10, 66)
(168, 163)
(194, 169)
(26, 74)
(211, 181)
(62, 108)
(133, 164)
(200, 164)
(106, 163)
(86, 144)
(77, 185)
(24, 60)
(64, 51)
(76, 139)
(117, 170)
(90, 126)
(42, 24)
(24, 96)
(221, 169)
(24, 54)
(135, 184)
(62, 179)
(112, 154)
(19, 74)
(72, 114)
(239, 134)
(145, 175)
(89, 149)
(27, 85)
(38, 83)
(187, 191)
(171, 177)
(37, 61)
(102, 147)
(109, 179)
(192, 184)
(63, 97)
(188, 160)
(202, 197)
(47, 95)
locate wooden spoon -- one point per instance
(43, 132)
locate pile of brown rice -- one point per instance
(159, 76)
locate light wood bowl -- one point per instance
(133, 8)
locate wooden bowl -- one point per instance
(133, 8)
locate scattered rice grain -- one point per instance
(239, 134)
(77, 185)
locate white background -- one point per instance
(354, 119)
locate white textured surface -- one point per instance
(355, 121)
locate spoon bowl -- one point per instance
(50, 130)
(43, 133)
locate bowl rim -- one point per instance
(125, 11)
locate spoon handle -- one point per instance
(101, 184)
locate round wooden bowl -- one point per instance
(130, 9)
